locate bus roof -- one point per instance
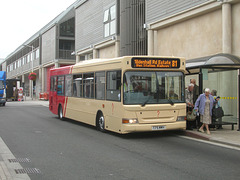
(104, 62)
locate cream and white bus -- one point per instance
(123, 95)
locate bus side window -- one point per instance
(77, 85)
(114, 85)
(88, 85)
(60, 85)
(53, 83)
(68, 85)
(100, 85)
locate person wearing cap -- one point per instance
(204, 106)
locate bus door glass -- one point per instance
(53, 91)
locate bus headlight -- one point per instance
(181, 118)
(129, 121)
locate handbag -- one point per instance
(191, 116)
(217, 112)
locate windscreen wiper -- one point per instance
(145, 102)
(170, 101)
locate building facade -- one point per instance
(50, 47)
(116, 28)
(195, 29)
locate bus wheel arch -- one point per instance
(60, 112)
(100, 121)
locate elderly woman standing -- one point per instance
(204, 105)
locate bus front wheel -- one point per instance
(101, 122)
(60, 113)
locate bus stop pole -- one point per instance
(200, 81)
(238, 100)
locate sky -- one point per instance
(20, 19)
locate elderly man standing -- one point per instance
(195, 96)
(190, 104)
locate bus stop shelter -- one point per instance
(221, 73)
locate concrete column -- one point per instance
(238, 103)
(40, 80)
(43, 79)
(150, 42)
(155, 43)
(56, 65)
(95, 53)
(23, 80)
(77, 58)
(117, 48)
(30, 88)
(226, 28)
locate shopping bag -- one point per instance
(217, 112)
(191, 116)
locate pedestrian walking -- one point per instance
(204, 106)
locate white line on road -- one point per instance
(212, 143)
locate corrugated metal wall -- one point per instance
(89, 22)
(49, 45)
(133, 35)
(160, 9)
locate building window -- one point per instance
(28, 58)
(109, 21)
(37, 53)
(67, 28)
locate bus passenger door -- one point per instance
(53, 97)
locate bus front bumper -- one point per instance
(130, 128)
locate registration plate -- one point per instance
(155, 128)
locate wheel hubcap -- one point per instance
(101, 122)
(60, 113)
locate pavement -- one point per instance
(8, 170)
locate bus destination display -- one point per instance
(155, 63)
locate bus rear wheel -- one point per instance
(101, 122)
(60, 113)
